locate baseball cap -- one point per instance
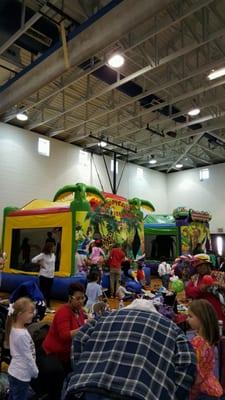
(200, 259)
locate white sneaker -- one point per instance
(49, 310)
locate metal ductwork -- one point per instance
(86, 43)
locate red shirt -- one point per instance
(58, 340)
(116, 257)
(194, 291)
(140, 275)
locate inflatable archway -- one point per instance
(173, 235)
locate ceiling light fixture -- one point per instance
(179, 165)
(194, 111)
(22, 116)
(214, 74)
(152, 160)
(116, 60)
(102, 144)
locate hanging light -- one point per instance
(152, 160)
(179, 165)
(116, 60)
(22, 116)
(214, 74)
(102, 144)
(194, 111)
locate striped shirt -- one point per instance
(132, 354)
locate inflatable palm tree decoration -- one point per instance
(80, 207)
(135, 205)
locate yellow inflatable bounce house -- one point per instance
(78, 214)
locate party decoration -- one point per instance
(207, 280)
(177, 285)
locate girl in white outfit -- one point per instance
(46, 261)
(22, 366)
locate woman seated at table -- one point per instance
(53, 359)
(199, 288)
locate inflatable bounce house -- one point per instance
(77, 215)
(177, 234)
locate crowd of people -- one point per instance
(130, 353)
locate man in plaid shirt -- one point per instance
(131, 354)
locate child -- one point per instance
(164, 271)
(93, 291)
(122, 293)
(202, 318)
(140, 274)
(97, 254)
(23, 362)
(46, 260)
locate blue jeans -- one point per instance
(95, 396)
(18, 389)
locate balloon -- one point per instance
(177, 285)
(207, 280)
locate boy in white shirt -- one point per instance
(164, 271)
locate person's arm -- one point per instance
(185, 366)
(80, 340)
(24, 347)
(99, 295)
(63, 323)
(37, 259)
(160, 270)
(193, 291)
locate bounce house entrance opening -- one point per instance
(27, 243)
(157, 246)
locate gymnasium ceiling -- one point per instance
(53, 65)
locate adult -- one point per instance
(53, 359)
(132, 353)
(116, 257)
(25, 249)
(198, 249)
(50, 238)
(46, 261)
(197, 287)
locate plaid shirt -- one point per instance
(132, 354)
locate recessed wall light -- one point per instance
(194, 111)
(116, 60)
(214, 74)
(22, 116)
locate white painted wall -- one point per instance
(26, 175)
(186, 189)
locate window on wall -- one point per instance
(139, 172)
(27, 243)
(44, 147)
(83, 158)
(112, 166)
(204, 174)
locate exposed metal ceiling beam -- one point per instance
(188, 148)
(142, 71)
(218, 124)
(207, 86)
(97, 36)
